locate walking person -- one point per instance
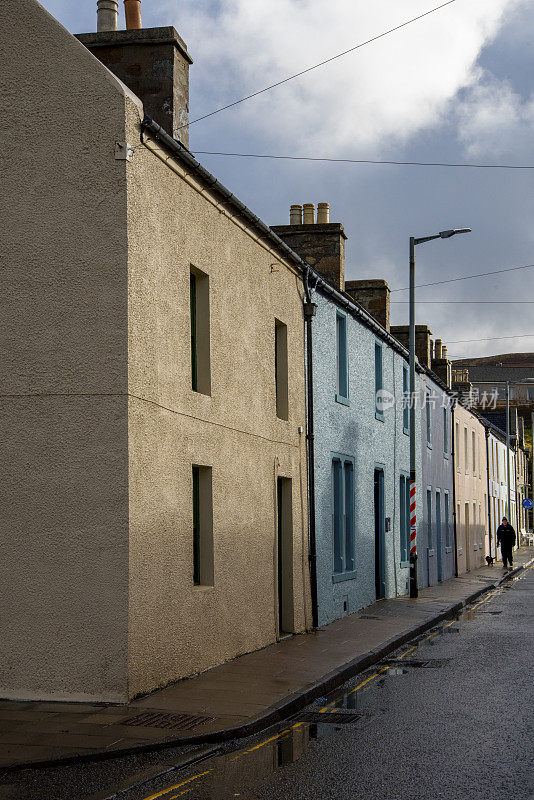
(506, 538)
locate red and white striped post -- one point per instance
(413, 526)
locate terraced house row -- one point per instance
(204, 426)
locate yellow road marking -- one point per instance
(267, 741)
(178, 785)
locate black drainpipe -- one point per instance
(488, 510)
(310, 310)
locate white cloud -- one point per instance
(493, 120)
(380, 95)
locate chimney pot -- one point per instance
(309, 213)
(323, 213)
(107, 15)
(132, 10)
(444, 351)
(295, 215)
(438, 349)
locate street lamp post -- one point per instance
(413, 518)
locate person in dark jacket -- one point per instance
(506, 538)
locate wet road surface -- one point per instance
(449, 715)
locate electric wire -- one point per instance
(465, 277)
(365, 160)
(491, 338)
(466, 302)
(320, 64)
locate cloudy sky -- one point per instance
(455, 86)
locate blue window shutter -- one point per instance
(349, 516)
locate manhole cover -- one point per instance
(175, 722)
(335, 718)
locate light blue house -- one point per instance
(360, 430)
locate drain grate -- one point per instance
(429, 664)
(336, 718)
(175, 722)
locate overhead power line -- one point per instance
(366, 160)
(465, 302)
(491, 338)
(320, 64)
(465, 277)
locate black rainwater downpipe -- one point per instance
(310, 310)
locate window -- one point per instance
(447, 520)
(379, 379)
(342, 390)
(457, 446)
(466, 457)
(280, 369)
(199, 299)
(445, 432)
(428, 418)
(343, 514)
(474, 446)
(406, 399)
(202, 527)
(429, 518)
(404, 519)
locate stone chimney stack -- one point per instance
(441, 364)
(422, 341)
(152, 62)
(374, 296)
(321, 243)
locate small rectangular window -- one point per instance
(202, 526)
(428, 412)
(342, 388)
(405, 399)
(199, 301)
(466, 455)
(379, 379)
(343, 514)
(445, 431)
(429, 517)
(281, 370)
(447, 520)
(457, 446)
(474, 446)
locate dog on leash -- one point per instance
(489, 561)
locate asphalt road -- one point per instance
(449, 716)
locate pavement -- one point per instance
(240, 697)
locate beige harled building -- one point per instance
(153, 392)
(470, 489)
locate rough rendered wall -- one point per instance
(176, 628)
(437, 474)
(353, 430)
(470, 488)
(63, 443)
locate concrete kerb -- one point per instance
(287, 707)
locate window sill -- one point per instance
(379, 415)
(448, 549)
(339, 577)
(406, 431)
(404, 564)
(430, 552)
(446, 455)
(343, 400)
(203, 587)
(429, 445)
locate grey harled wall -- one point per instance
(437, 473)
(354, 431)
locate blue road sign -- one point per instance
(527, 503)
